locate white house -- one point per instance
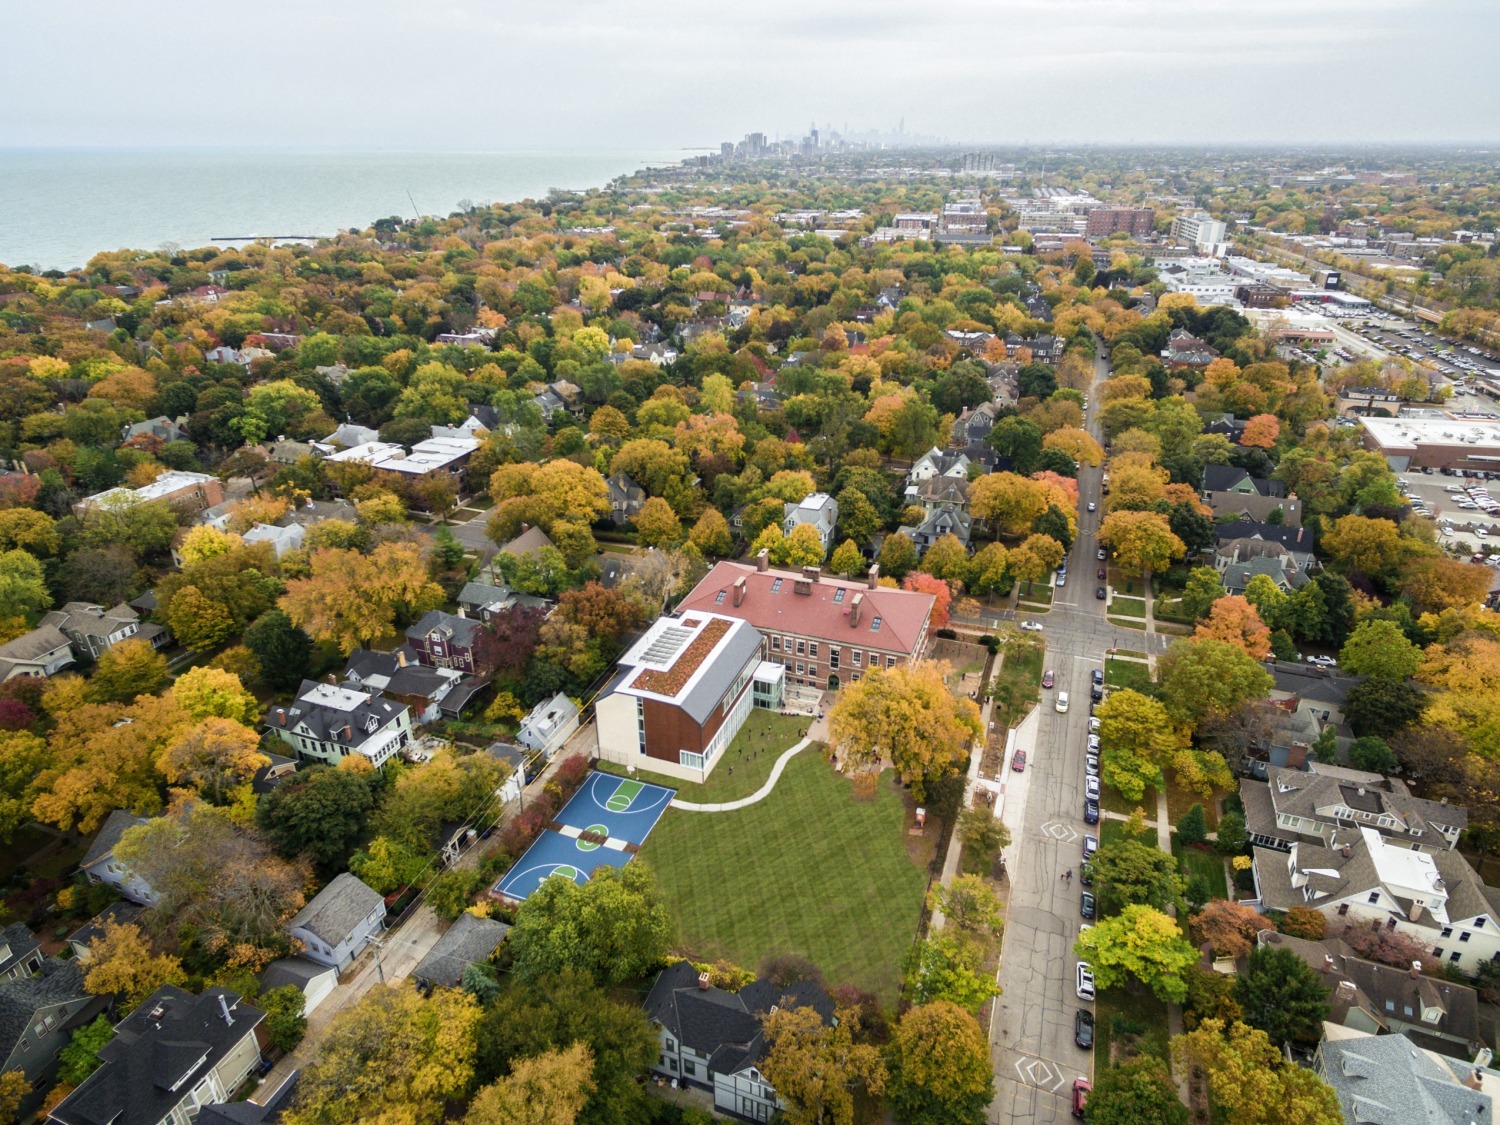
(1361, 877)
(818, 509)
(339, 922)
(549, 724)
(99, 864)
(329, 722)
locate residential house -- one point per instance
(44, 651)
(282, 539)
(943, 491)
(570, 393)
(529, 542)
(1361, 878)
(267, 1111)
(1311, 806)
(625, 497)
(315, 981)
(483, 601)
(549, 725)
(186, 492)
(399, 676)
(174, 1054)
(329, 722)
(430, 458)
(818, 509)
(1292, 538)
(1231, 478)
(520, 763)
(682, 693)
(1256, 509)
(347, 436)
(936, 462)
(99, 864)
(446, 640)
(284, 451)
(161, 428)
(38, 1014)
(270, 776)
(1240, 560)
(1380, 1000)
(549, 404)
(1047, 348)
(1186, 350)
(1303, 703)
(339, 923)
(93, 629)
(824, 631)
(713, 1039)
(976, 424)
(1387, 1079)
(658, 354)
(944, 520)
(762, 394)
(20, 953)
(469, 941)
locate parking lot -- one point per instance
(1469, 529)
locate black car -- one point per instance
(1083, 1029)
(1096, 693)
(1086, 906)
(1101, 593)
(1090, 811)
(1098, 675)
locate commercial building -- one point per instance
(1451, 441)
(446, 455)
(185, 491)
(683, 692)
(1135, 221)
(1200, 230)
(823, 631)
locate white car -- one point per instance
(1062, 702)
(1481, 532)
(1323, 661)
(1094, 743)
(1091, 788)
(1031, 626)
(1085, 981)
(1094, 723)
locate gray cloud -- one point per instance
(515, 73)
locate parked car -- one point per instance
(1086, 905)
(1093, 507)
(1018, 761)
(1085, 876)
(1099, 574)
(1100, 593)
(1091, 788)
(1093, 744)
(1081, 1088)
(1085, 981)
(1097, 675)
(1083, 1028)
(1100, 555)
(1062, 578)
(1062, 702)
(1031, 626)
(1090, 811)
(1090, 846)
(1091, 765)
(1096, 693)
(1323, 661)
(1094, 723)
(1047, 678)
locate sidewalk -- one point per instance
(976, 756)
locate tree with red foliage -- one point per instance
(1389, 947)
(18, 490)
(15, 715)
(504, 646)
(922, 583)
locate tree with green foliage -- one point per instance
(613, 927)
(1380, 648)
(847, 559)
(320, 813)
(1138, 1091)
(284, 651)
(1193, 827)
(1373, 754)
(968, 903)
(1204, 587)
(1282, 995)
(1141, 943)
(1382, 707)
(983, 833)
(560, 1009)
(1231, 835)
(940, 1070)
(80, 1057)
(451, 892)
(816, 1065)
(1204, 679)
(948, 966)
(1054, 523)
(859, 519)
(1249, 1081)
(1128, 872)
(286, 1015)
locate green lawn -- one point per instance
(1127, 674)
(1130, 1013)
(1040, 593)
(1170, 609)
(807, 871)
(1111, 800)
(1129, 622)
(751, 755)
(1208, 865)
(1015, 686)
(1127, 607)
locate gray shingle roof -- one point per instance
(34, 645)
(109, 835)
(18, 942)
(1315, 794)
(296, 971)
(56, 982)
(337, 909)
(469, 941)
(461, 629)
(1385, 1080)
(327, 723)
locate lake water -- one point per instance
(59, 207)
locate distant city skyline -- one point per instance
(466, 75)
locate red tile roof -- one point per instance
(902, 613)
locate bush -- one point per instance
(286, 1018)
(991, 642)
(571, 772)
(1232, 838)
(946, 634)
(1244, 880)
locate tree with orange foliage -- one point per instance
(1235, 620)
(1261, 431)
(1229, 928)
(923, 583)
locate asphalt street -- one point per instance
(1031, 1032)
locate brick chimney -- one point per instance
(763, 560)
(811, 573)
(401, 658)
(855, 607)
(739, 590)
(873, 579)
(703, 985)
(281, 716)
(1415, 971)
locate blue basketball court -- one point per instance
(618, 807)
(621, 810)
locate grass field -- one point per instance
(807, 871)
(1130, 1013)
(1128, 622)
(751, 755)
(1208, 865)
(1127, 674)
(1038, 593)
(1110, 800)
(1127, 607)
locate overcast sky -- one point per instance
(497, 74)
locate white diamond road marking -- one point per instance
(1062, 832)
(1040, 1073)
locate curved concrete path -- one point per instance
(759, 794)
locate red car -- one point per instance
(1047, 678)
(1081, 1088)
(1018, 761)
